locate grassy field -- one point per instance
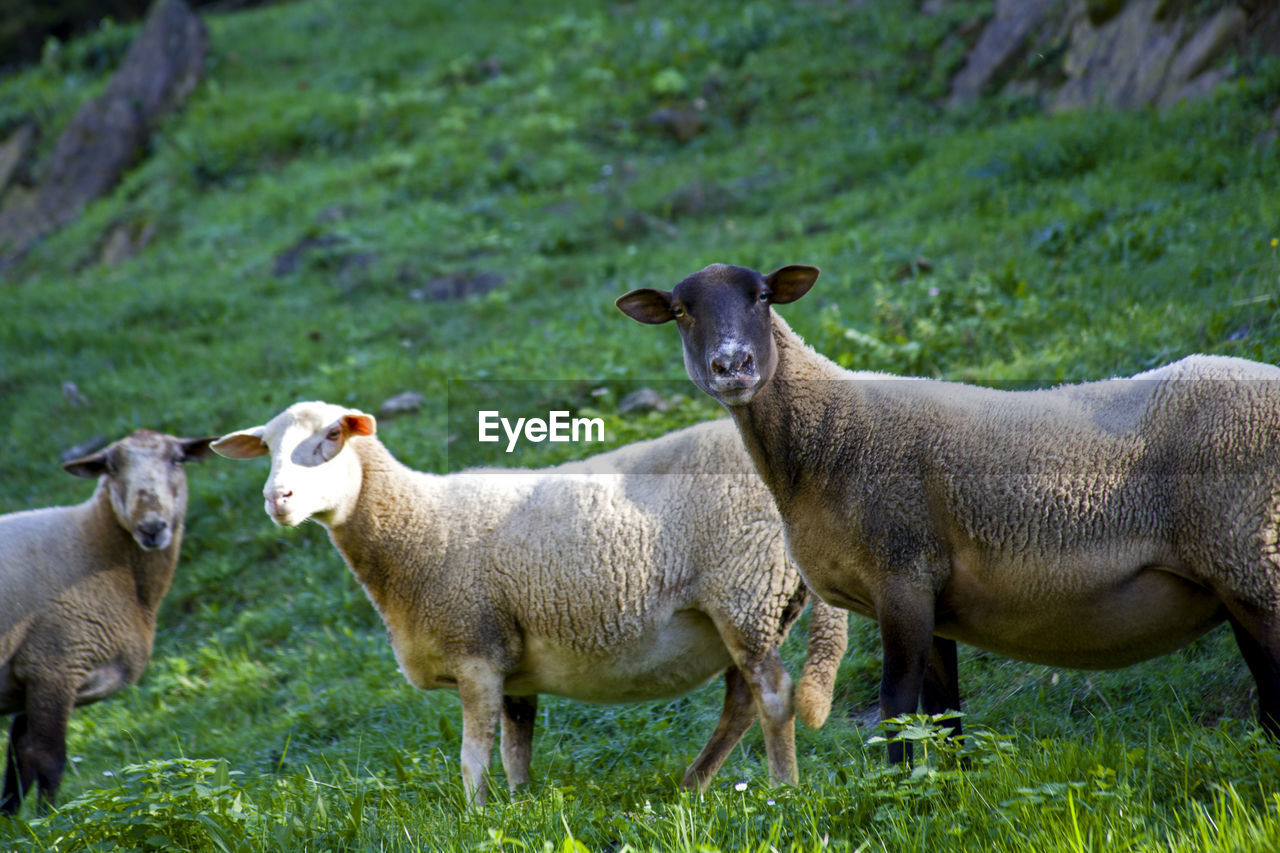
(345, 162)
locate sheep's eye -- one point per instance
(763, 297)
(334, 434)
(677, 311)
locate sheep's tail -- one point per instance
(828, 639)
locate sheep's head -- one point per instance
(314, 474)
(725, 323)
(144, 478)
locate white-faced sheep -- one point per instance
(85, 582)
(1087, 526)
(636, 574)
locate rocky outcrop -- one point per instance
(108, 133)
(14, 151)
(1123, 54)
(1139, 58)
(1003, 41)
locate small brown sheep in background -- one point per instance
(1088, 526)
(635, 574)
(81, 585)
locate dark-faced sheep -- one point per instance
(636, 574)
(1087, 526)
(81, 586)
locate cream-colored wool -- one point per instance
(80, 591)
(636, 574)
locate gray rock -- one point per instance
(680, 123)
(1186, 78)
(84, 448)
(1003, 41)
(1141, 57)
(14, 152)
(1122, 54)
(457, 286)
(106, 135)
(642, 400)
(1198, 87)
(401, 404)
(124, 240)
(73, 395)
(700, 197)
(290, 260)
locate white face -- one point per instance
(313, 473)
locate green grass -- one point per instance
(423, 139)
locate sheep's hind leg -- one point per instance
(735, 719)
(755, 653)
(37, 748)
(518, 716)
(15, 784)
(1263, 659)
(772, 690)
(941, 691)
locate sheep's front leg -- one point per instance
(518, 716)
(480, 688)
(736, 717)
(905, 616)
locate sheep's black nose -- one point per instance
(732, 363)
(152, 531)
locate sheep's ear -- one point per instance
(646, 305)
(789, 283)
(196, 448)
(358, 423)
(245, 444)
(94, 465)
